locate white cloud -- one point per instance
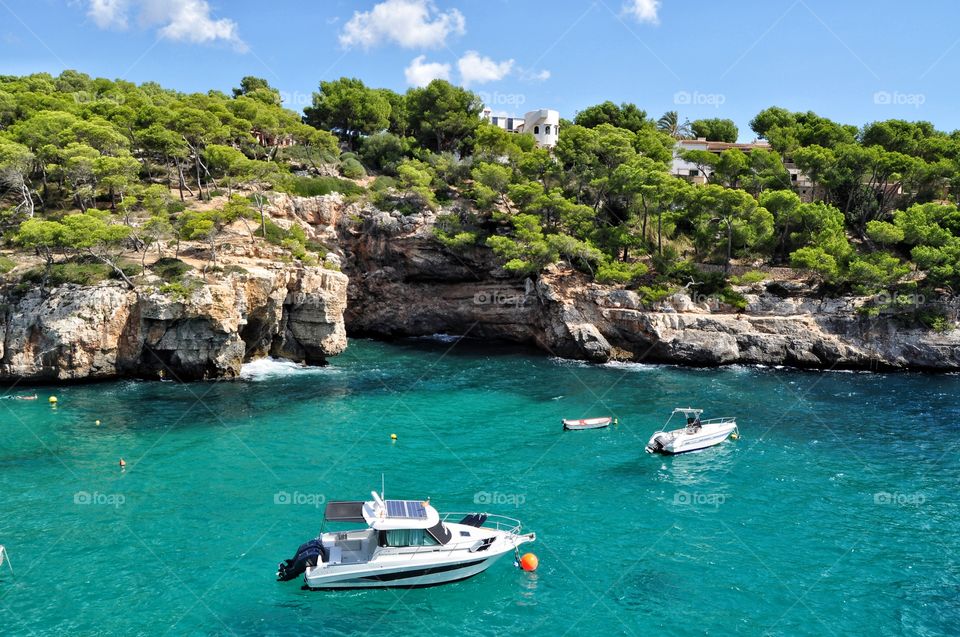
(409, 23)
(476, 69)
(645, 10)
(177, 20)
(109, 13)
(420, 72)
(528, 75)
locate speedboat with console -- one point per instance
(697, 434)
(403, 543)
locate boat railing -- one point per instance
(719, 421)
(493, 521)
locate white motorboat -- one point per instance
(697, 434)
(405, 543)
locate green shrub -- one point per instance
(734, 298)
(181, 290)
(352, 169)
(936, 321)
(748, 278)
(170, 269)
(383, 152)
(653, 294)
(318, 186)
(316, 246)
(816, 259)
(176, 207)
(457, 242)
(74, 272)
(275, 234)
(296, 248)
(875, 271)
(383, 184)
(620, 272)
(235, 269)
(6, 264)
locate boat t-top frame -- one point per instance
(692, 416)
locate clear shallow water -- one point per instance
(836, 513)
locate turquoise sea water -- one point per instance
(835, 513)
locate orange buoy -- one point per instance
(123, 463)
(529, 562)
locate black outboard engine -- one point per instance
(307, 555)
(656, 445)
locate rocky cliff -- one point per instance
(106, 331)
(398, 281)
(403, 283)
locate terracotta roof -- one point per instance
(722, 146)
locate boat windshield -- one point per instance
(407, 537)
(435, 535)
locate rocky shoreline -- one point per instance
(107, 331)
(397, 281)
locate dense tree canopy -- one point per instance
(90, 168)
(715, 129)
(626, 115)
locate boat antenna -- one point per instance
(383, 490)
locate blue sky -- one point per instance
(852, 61)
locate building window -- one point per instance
(536, 130)
(694, 173)
(546, 129)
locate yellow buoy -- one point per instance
(393, 436)
(529, 562)
(97, 423)
(52, 400)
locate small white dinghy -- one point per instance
(698, 434)
(586, 423)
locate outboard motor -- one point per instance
(656, 444)
(307, 555)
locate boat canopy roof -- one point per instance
(344, 512)
(687, 411)
(387, 515)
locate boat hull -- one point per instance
(587, 423)
(682, 442)
(405, 576)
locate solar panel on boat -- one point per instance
(411, 509)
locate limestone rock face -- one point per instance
(403, 283)
(106, 331)
(398, 281)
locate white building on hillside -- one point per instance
(799, 181)
(543, 124)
